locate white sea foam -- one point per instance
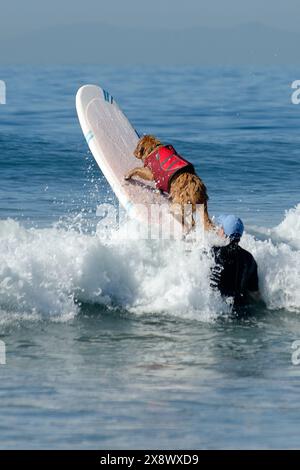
(48, 272)
(278, 258)
(288, 230)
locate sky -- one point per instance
(111, 31)
(17, 17)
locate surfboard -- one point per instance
(112, 140)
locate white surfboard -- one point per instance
(112, 140)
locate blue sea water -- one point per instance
(109, 346)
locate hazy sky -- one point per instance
(17, 16)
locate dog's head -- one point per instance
(145, 146)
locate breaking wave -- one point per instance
(49, 272)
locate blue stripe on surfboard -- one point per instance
(108, 97)
(128, 206)
(89, 136)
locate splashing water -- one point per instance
(50, 272)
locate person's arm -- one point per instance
(216, 269)
(252, 287)
(255, 295)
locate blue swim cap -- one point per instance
(233, 226)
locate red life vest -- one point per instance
(164, 162)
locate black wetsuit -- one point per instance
(235, 272)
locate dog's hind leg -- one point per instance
(207, 223)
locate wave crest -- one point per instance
(48, 272)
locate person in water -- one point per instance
(235, 272)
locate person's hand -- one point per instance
(256, 297)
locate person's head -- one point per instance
(231, 227)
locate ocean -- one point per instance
(117, 343)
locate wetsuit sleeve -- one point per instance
(253, 278)
(216, 270)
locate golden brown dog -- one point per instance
(185, 186)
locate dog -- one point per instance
(173, 175)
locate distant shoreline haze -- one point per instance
(91, 43)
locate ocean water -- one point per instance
(122, 343)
